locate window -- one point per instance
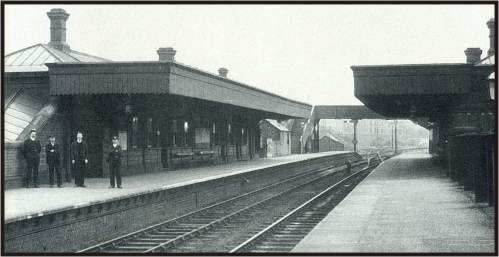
(288, 137)
(229, 134)
(187, 135)
(135, 132)
(122, 139)
(202, 137)
(158, 138)
(150, 134)
(244, 137)
(174, 133)
(216, 136)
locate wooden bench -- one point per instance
(208, 153)
(181, 155)
(183, 158)
(204, 153)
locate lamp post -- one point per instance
(492, 85)
(354, 141)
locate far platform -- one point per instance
(21, 203)
(406, 205)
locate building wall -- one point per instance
(35, 85)
(15, 164)
(296, 133)
(274, 141)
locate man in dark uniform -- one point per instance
(31, 151)
(52, 153)
(79, 152)
(114, 160)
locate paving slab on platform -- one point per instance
(406, 205)
(21, 203)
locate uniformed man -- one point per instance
(52, 154)
(79, 159)
(114, 160)
(31, 151)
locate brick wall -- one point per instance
(296, 132)
(15, 164)
(36, 85)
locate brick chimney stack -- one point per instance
(58, 19)
(222, 72)
(492, 35)
(166, 54)
(473, 55)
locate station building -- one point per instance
(166, 114)
(330, 143)
(275, 138)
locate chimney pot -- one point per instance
(222, 72)
(492, 35)
(473, 55)
(58, 18)
(166, 54)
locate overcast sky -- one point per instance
(303, 52)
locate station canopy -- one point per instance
(416, 90)
(166, 77)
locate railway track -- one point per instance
(284, 234)
(224, 226)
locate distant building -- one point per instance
(275, 138)
(376, 133)
(295, 126)
(330, 143)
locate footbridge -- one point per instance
(319, 112)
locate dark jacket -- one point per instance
(79, 151)
(31, 149)
(52, 156)
(114, 155)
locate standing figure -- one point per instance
(79, 159)
(114, 160)
(31, 151)
(52, 153)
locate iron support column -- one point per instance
(395, 136)
(354, 141)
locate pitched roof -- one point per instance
(33, 58)
(277, 125)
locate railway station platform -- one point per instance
(68, 219)
(21, 203)
(406, 205)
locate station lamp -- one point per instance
(492, 85)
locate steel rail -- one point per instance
(115, 241)
(274, 225)
(173, 241)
